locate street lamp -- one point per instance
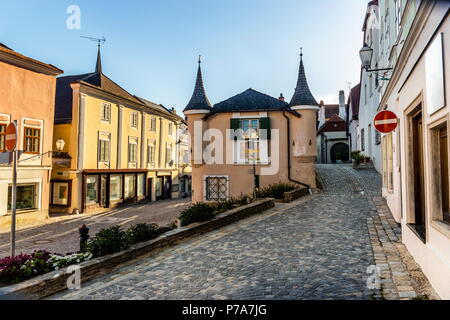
(60, 144)
(366, 55)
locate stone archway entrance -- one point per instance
(340, 151)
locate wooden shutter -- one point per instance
(264, 124)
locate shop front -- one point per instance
(110, 188)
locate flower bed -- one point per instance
(106, 241)
(275, 191)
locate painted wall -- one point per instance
(241, 178)
(29, 98)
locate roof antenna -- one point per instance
(100, 41)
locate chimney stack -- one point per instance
(281, 98)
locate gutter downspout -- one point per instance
(289, 155)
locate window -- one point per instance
(377, 137)
(153, 124)
(363, 145)
(370, 84)
(105, 112)
(2, 137)
(130, 186)
(216, 188)
(377, 80)
(252, 142)
(26, 197)
(92, 183)
(134, 119)
(60, 193)
(151, 152)
(443, 159)
(104, 148)
(398, 16)
(170, 129)
(169, 153)
(32, 140)
(141, 185)
(365, 93)
(132, 150)
(115, 187)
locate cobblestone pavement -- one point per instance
(60, 234)
(319, 247)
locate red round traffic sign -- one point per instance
(11, 137)
(385, 121)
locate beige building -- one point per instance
(119, 148)
(27, 95)
(415, 155)
(258, 140)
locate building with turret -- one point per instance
(251, 140)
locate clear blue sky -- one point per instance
(152, 45)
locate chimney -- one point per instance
(173, 110)
(342, 112)
(281, 98)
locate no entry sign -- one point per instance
(385, 121)
(11, 137)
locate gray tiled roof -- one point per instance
(250, 100)
(302, 95)
(199, 100)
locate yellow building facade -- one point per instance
(118, 148)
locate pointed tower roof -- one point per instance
(302, 94)
(98, 66)
(199, 100)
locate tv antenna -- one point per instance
(100, 41)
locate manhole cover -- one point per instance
(42, 241)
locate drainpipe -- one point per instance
(289, 155)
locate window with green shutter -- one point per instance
(234, 125)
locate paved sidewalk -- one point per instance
(319, 247)
(60, 235)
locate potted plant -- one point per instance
(357, 157)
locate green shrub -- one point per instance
(276, 190)
(357, 156)
(142, 232)
(107, 241)
(223, 206)
(198, 212)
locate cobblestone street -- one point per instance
(60, 234)
(319, 247)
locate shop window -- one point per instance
(92, 183)
(32, 140)
(2, 137)
(443, 159)
(26, 197)
(216, 188)
(130, 186)
(115, 187)
(141, 185)
(60, 193)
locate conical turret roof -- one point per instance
(199, 100)
(302, 95)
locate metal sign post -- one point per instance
(11, 146)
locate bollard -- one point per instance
(84, 237)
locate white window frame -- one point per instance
(151, 143)
(102, 137)
(105, 117)
(240, 158)
(133, 141)
(134, 120)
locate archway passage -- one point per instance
(340, 151)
